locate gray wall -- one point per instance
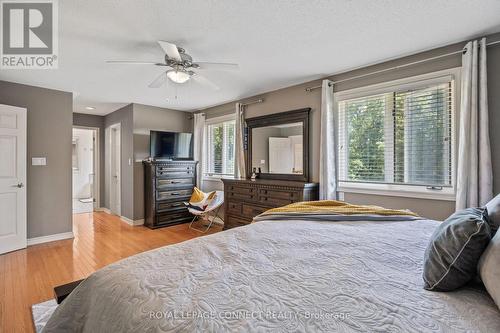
(148, 118)
(89, 120)
(296, 97)
(49, 135)
(123, 116)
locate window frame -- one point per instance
(404, 84)
(212, 121)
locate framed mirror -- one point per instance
(278, 144)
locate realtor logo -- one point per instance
(29, 34)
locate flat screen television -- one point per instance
(171, 145)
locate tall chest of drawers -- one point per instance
(167, 184)
(244, 199)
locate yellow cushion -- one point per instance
(200, 199)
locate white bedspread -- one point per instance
(278, 276)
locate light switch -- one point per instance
(262, 161)
(38, 161)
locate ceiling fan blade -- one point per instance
(119, 62)
(159, 81)
(171, 50)
(217, 65)
(205, 82)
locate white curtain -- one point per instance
(239, 154)
(198, 143)
(327, 166)
(474, 171)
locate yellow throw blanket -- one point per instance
(336, 207)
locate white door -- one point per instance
(12, 178)
(280, 155)
(114, 168)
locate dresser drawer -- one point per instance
(251, 211)
(174, 194)
(173, 168)
(279, 194)
(174, 182)
(233, 222)
(275, 202)
(175, 174)
(170, 206)
(233, 207)
(172, 217)
(242, 193)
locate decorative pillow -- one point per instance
(452, 256)
(489, 268)
(493, 208)
(200, 200)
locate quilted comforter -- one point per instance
(280, 276)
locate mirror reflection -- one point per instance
(278, 148)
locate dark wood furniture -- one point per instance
(244, 198)
(167, 185)
(63, 291)
(281, 118)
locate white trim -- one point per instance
(396, 190)
(116, 195)
(97, 163)
(132, 222)
(220, 119)
(104, 209)
(216, 120)
(50, 238)
(402, 190)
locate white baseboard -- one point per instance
(50, 238)
(103, 209)
(132, 222)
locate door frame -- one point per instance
(22, 178)
(97, 164)
(115, 199)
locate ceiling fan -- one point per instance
(181, 67)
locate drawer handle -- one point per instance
(176, 205)
(174, 193)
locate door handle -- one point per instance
(20, 185)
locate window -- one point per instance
(220, 148)
(398, 136)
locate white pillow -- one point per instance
(489, 268)
(493, 208)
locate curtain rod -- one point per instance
(260, 100)
(309, 89)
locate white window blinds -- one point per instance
(220, 149)
(398, 136)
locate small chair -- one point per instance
(210, 213)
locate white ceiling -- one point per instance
(277, 43)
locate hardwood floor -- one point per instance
(28, 276)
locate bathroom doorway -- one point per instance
(85, 165)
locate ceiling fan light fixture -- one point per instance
(178, 76)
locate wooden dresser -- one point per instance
(167, 184)
(244, 199)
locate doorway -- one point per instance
(113, 138)
(12, 178)
(85, 165)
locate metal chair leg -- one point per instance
(208, 218)
(192, 221)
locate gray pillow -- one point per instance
(489, 268)
(493, 208)
(452, 256)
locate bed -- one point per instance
(279, 275)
